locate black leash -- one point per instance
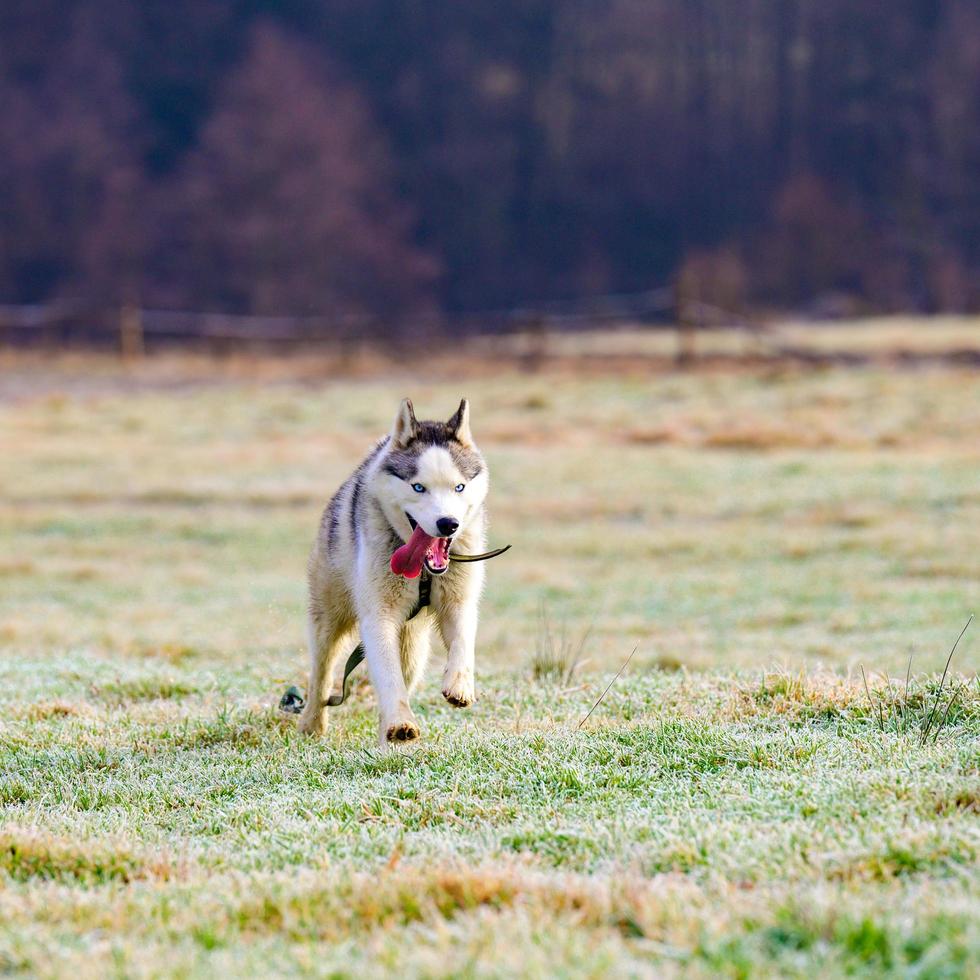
(293, 701)
(482, 557)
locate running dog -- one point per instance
(420, 492)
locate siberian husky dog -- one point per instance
(420, 492)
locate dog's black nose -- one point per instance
(447, 526)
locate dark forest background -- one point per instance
(396, 157)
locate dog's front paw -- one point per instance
(312, 722)
(404, 728)
(458, 689)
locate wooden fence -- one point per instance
(133, 331)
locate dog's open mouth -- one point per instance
(421, 549)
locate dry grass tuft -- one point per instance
(27, 854)
(963, 801)
(143, 689)
(796, 697)
(558, 654)
(911, 855)
(173, 652)
(43, 710)
(760, 435)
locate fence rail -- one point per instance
(133, 330)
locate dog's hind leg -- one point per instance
(416, 644)
(327, 643)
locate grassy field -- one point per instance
(736, 804)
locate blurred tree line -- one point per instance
(391, 157)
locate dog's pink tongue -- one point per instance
(407, 560)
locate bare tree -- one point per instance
(69, 176)
(285, 204)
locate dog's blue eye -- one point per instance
(418, 488)
(460, 487)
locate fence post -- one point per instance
(131, 344)
(687, 325)
(536, 351)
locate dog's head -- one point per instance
(436, 480)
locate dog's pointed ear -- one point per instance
(459, 424)
(406, 427)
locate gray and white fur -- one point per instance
(431, 473)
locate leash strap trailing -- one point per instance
(293, 701)
(352, 661)
(483, 557)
